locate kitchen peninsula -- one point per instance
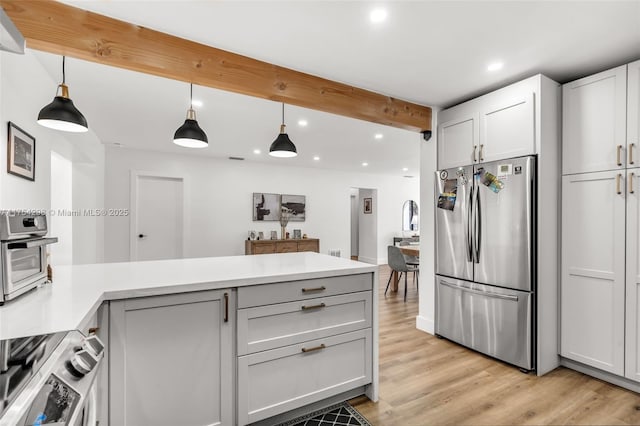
(267, 334)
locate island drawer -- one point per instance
(279, 380)
(272, 326)
(267, 294)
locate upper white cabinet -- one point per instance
(507, 128)
(594, 122)
(458, 141)
(633, 114)
(593, 269)
(171, 360)
(498, 125)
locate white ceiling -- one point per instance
(430, 52)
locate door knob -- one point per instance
(141, 235)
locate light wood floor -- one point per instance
(428, 381)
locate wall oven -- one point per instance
(23, 252)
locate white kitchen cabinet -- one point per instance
(172, 359)
(594, 122)
(593, 270)
(632, 340)
(458, 141)
(313, 338)
(507, 127)
(633, 114)
(496, 126)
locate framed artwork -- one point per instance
(266, 207)
(296, 204)
(21, 153)
(368, 206)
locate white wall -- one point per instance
(219, 197)
(426, 313)
(368, 227)
(26, 87)
(354, 222)
(61, 199)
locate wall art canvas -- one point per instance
(21, 153)
(297, 205)
(368, 206)
(266, 207)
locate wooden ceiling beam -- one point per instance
(65, 30)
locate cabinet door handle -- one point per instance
(631, 146)
(311, 290)
(618, 176)
(475, 152)
(226, 307)
(632, 176)
(481, 152)
(619, 155)
(318, 306)
(315, 348)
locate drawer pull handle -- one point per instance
(481, 152)
(475, 153)
(618, 190)
(318, 306)
(311, 290)
(631, 146)
(315, 348)
(631, 178)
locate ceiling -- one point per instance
(434, 53)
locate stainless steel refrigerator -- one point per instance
(485, 258)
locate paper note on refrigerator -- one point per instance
(447, 199)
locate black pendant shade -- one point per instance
(190, 135)
(282, 146)
(61, 113)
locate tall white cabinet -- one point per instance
(600, 301)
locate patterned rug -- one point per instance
(341, 414)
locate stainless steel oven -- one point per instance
(23, 252)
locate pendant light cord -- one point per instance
(191, 97)
(283, 113)
(63, 73)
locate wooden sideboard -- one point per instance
(281, 246)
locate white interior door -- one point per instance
(157, 217)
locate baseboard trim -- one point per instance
(425, 324)
(623, 382)
(368, 260)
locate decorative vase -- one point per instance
(285, 215)
(284, 233)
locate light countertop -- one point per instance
(78, 291)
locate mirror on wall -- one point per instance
(410, 216)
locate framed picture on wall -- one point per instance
(297, 205)
(21, 153)
(368, 206)
(266, 206)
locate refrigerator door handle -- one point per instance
(480, 292)
(468, 236)
(478, 226)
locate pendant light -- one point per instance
(282, 146)
(190, 135)
(61, 114)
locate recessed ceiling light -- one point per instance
(316, 158)
(404, 169)
(197, 103)
(378, 136)
(495, 66)
(302, 123)
(378, 15)
(256, 151)
(365, 164)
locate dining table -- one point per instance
(409, 250)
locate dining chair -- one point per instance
(397, 263)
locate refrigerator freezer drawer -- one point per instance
(491, 320)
